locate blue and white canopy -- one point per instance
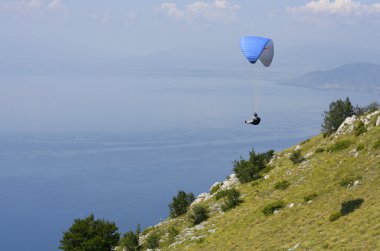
(255, 48)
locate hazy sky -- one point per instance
(122, 28)
(57, 39)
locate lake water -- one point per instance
(122, 146)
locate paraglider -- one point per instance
(255, 120)
(254, 49)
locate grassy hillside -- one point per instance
(335, 170)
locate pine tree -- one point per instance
(90, 235)
(338, 111)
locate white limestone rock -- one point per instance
(273, 159)
(199, 227)
(297, 148)
(304, 164)
(216, 185)
(230, 182)
(308, 155)
(353, 152)
(294, 248)
(289, 172)
(349, 123)
(367, 119)
(356, 183)
(378, 121)
(196, 238)
(202, 197)
(347, 126)
(187, 232)
(217, 207)
(211, 231)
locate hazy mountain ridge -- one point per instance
(329, 203)
(30, 54)
(353, 77)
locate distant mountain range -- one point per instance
(354, 77)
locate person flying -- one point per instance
(255, 120)
(256, 49)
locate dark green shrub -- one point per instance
(376, 145)
(281, 185)
(249, 170)
(360, 147)
(89, 234)
(305, 141)
(221, 194)
(296, 157)
(366, 109)
(337, 113)
(271, 207)
(180, 203)
(360, 128)
(232, 199)
(138, 230)
(130, 241)
(147, 230)
(200, 240)
(310, 197)
(335, 216)
(153, 241)
(173, 232)
(372, 107)
(349, 181)
(319, 150)
(215, 188)
(198, 214)
(346, 182)
(255, 183)
(340, 145)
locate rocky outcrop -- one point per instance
(230, 182)
(215, 187)
(308, 155)
(202, 197)
(378, 121)
(348, 124)
(367, 119)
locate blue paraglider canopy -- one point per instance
(255, 48)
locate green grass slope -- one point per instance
(340, 176)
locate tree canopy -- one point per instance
(180, 203)
(130, 241)
(338, 111)
(89, 234)
(249, 170)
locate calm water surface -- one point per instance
(132, 143)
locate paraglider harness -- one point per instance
(255, 121)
